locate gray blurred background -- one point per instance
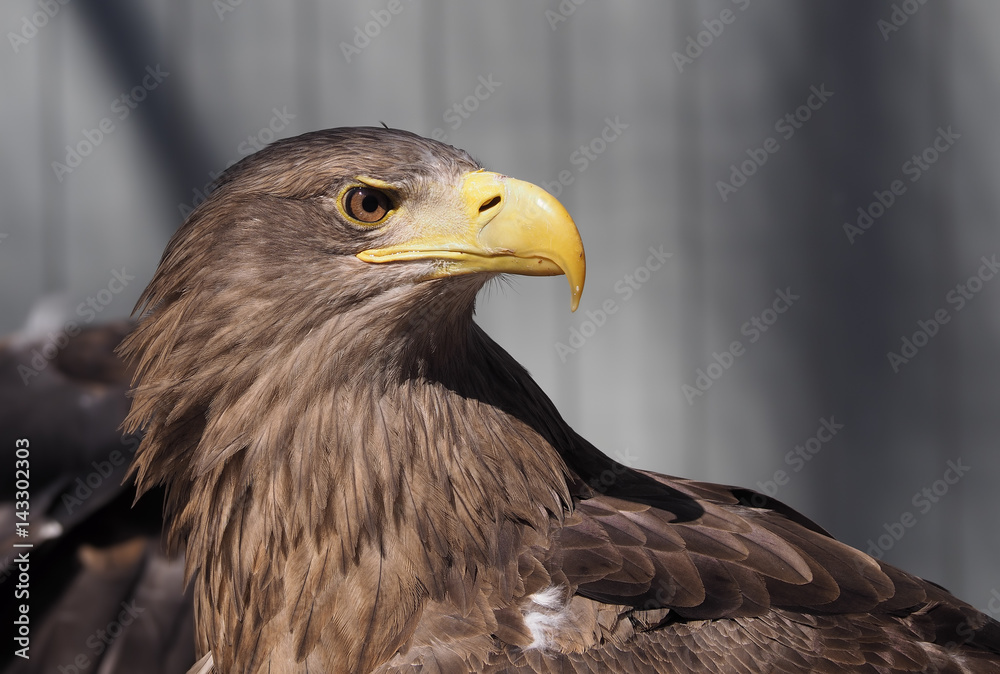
(738, 139)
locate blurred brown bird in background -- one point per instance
(102, 595)
(361, 480)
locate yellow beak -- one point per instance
(505, 226)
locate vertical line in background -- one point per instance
(123, 33)
(691, 229)
(862, 154)
(51, 103)
(308, 57)
(178, 43)
(178, 37)
(435, 76)
(562, 126)
(948, 391)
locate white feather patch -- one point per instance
(545, 617)
(204, 666)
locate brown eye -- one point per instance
(366, 204)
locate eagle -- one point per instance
(362, 480)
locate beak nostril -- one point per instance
(487, 205)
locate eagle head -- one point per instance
(312, 386)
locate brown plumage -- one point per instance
(365, 482)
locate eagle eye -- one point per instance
(366, 204)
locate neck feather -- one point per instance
(344, 478)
